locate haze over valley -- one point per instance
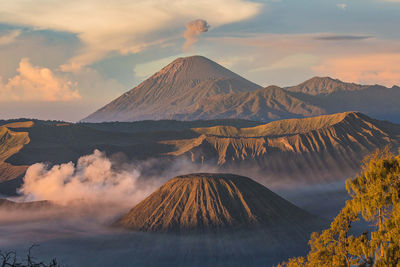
(199, 133)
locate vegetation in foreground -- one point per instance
(375, 198)
(10, 259)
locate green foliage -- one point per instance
(375, 197)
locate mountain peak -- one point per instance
(194, 68)
(324, 85)
(323, 79)
(205, 201)
(172, 90)
(194, 58)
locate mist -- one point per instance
(81, 200)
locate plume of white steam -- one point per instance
(94, 179)
(193, 30)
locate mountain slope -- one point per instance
(197, 202)
(337, 96)
(324, 85)
(195, 88)
(324, 147)
(271, 103)
(174, 88)
(328, 147)
(11, 142)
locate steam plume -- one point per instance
(193, 30)
(94, 179)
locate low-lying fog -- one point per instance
(88, 196)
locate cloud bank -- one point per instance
(120, 26)
(37, 84)
(193, 30)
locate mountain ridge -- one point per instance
(324, 85)
(195, 87)
(321, 148)
(288, 148)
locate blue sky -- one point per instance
(65, 59)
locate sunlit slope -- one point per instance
(197, 202)
(297, 147)
(172, 90)
(10, 143)
(282, 127)
(197, 88)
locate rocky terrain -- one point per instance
(205, 201)
(322, 148)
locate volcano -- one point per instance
(173, 90)
(204, 201)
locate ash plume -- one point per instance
(193, 29)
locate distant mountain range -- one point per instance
(316, 149)
(195, 88)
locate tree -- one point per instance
(10, 259)
(375, 197)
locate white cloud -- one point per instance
(123, 26)
(37, 84)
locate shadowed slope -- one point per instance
(202, 201)
(336, 96)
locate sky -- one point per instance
(65, 59)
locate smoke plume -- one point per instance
(95, 178)
(193, 30)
